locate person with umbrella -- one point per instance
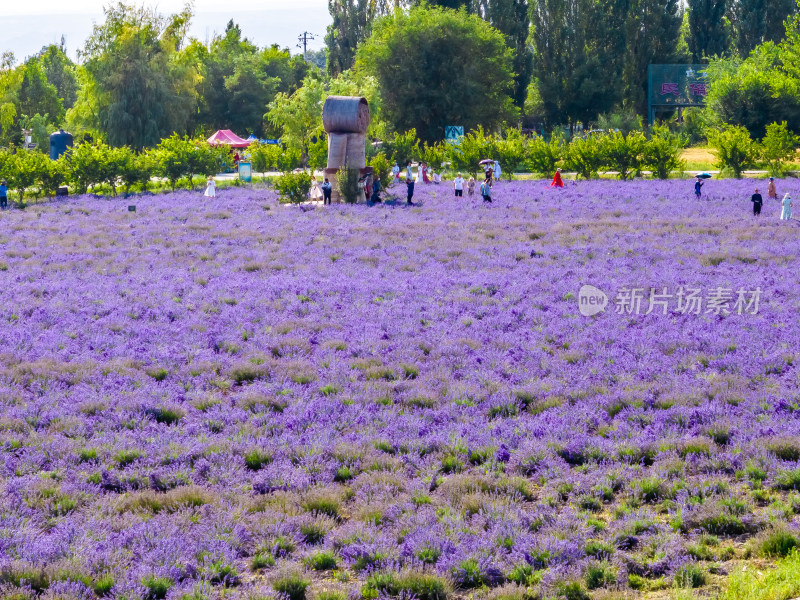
(698, 184)
(488, 165)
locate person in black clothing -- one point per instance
(698, 183)
(410, 184)
(376, 190)
(326, 191)
(757, 201)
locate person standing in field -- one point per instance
(772, 192)
(3, 195)
(211, 188)
(786, 212)
(409, 174)
(410, 189)
(471, 186)
(698, 184)
(326, 191)
(376, 190)
(486, 191)
(757, 201)
(497, 171)
(458, 186)
(395, 171)
(557, 181)
(315, 193)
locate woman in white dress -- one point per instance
(316, 192)
(211, 188)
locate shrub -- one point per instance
(662, 152)
(322, 561)
(293, 187)
(623, 153)
(690, 576)
(541, 157)
(584, 156)
(403, 147)
(262, 559)
(785, 448)
(156, 588)
(382, 170)
(778, 147)
(600, 575)
(734, 148)
(409, 584)
(777, 543)
(256, 459)
(24, 170)
(293, 585)
(347, 184)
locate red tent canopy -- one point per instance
(225, 137)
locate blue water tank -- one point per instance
(59, 142)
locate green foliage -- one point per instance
(179, 157)
(708, 35)
(762, 89)
(347, 185)
(734, 148)
(156, 588)
(293, 585)
(542, 157)
(382, 170)
(24, 170)
(623, 153)
(584, 156)
(293, 187)
(778, 147)
(403, 147)
(322, 561)
(474, 147)
(408, 584)
(318, 153)
(460, 52)
(136, 171)
(137, 90)
(662, 152)
(778, 543)
(783, 581)
(690, 576)
(754, 22)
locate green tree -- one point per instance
(652, 35)
(60, 72)
(584, 156)
(23, 170)
(36, 95)
(511, 18)
(778, 147)
(757, 91)
(708, 34)
(623, 153)
(299, 115)
(757, 21)
(734, 148)
(662, 152)
(437, 67)
(578, 55)
(351, 24)
(139, 89)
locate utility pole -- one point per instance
(304, 38)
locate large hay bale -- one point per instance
(345, 114)
(337, 149)
(356, 151)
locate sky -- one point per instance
(27, 26)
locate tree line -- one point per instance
(474, 63)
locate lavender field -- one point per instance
(241, 399)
